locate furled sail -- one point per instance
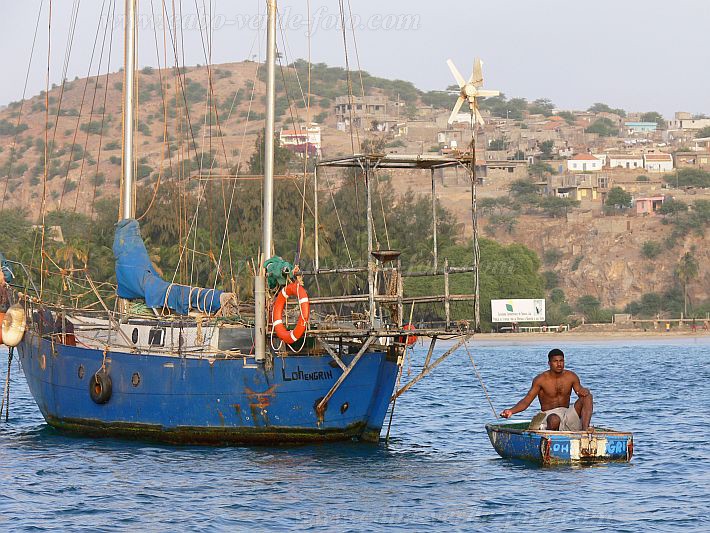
(137, 277)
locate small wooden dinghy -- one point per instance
(516, 441)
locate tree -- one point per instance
(539, 169)
(522, 187)
(653, 116)
(568, 116)
(541, 106)
(552, 256)
(673, 207)
(506, 221)
(690, 177)
(498, 144)
(651, 249)
(373, 145)
(557, 295)
(588, 305)
(703, 133)
(604, 127)
(499, 106)
(556, 207)
(282, 157)
(618, 198)
(686, 271)
(599, 107)
(651, 304)
(552, 279)
(546, 147)
(440, 99)
(72, 249)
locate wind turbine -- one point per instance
(470, 90)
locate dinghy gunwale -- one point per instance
(513, 441)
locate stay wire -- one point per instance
(73, 18)
(43, 208)
(22, 105)
(83, 100)
(480, 379)
(91, 117)
(166, 145)
(103, 120)
(349, 80)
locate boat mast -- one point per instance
(268, 210)
(129, 68)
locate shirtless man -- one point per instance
(554, 388)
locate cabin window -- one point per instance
(156, 337)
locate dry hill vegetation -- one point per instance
(197, 122)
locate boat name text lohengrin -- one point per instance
(299, 375)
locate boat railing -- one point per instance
(397, 298)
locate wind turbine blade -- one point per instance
(479, 118)
(456, 73)
(484, 93)
(456, 110)
(477, 77)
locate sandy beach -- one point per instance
(591, 336)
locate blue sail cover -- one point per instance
(137, 278)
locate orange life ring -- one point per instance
(277, 312)
(2, 317)
(410, 340)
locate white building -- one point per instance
(685, 121)
(584, 163)
(302, 140)
(658, 162)
(625, 161)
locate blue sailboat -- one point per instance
(184, 372)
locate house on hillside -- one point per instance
(454, 138)
(648, 205)
(366, 112)
(303, 140)
(584, 118)
(692, 160)
(625, 161)
(658, 162)
(585, 188)
(584, 163)
(640, 128)
(686, 121)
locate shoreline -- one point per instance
(589, 336)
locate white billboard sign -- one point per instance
(518, 310)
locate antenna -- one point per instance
(470, 91)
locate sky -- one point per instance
(640, 55)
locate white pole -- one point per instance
(129, 68)
(260, 321)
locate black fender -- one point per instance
(100, 387)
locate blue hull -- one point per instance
(216, 401)
(515, 441)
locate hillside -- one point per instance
(586, 253)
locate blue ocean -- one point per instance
(438, 472)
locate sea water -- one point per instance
(439, 471)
